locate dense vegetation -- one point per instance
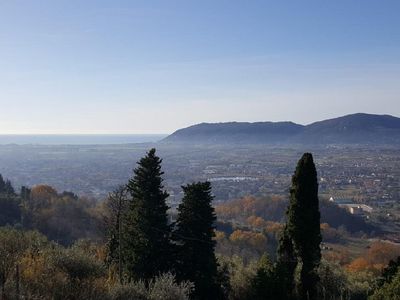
(59, 246)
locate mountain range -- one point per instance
(359, 128)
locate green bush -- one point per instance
(390, 290)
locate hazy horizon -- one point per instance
(163, 134)
(135, 67)
(78, 139)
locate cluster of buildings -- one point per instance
(351, 207)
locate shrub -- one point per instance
(162, 287)
(390, 290)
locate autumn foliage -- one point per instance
(375, 258)
(249, 238)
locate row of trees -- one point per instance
(31, 267)
(62, 217)
(143, 242)
(147, 255)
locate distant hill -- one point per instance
(237, 132)
(353, 129)
(357, 128)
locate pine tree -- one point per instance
(9, 189)
(6, 187)
(303, 224)
(10, 204)
(25, 193)
(264, 284)
(194, 235)
(146, 230)
(2, 184)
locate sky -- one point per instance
(96, 66)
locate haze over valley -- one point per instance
(200, 150)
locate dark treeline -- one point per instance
(129, 247)
(62, 217)
(143, 243)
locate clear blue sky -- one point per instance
(154, 66)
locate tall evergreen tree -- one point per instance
(303, 224)
(286, 266)
(25, 193)
(266, 284)
(9, 189)
(194, 235)
(2, 184)
(6, 187)
(146, 230)
(10, 208)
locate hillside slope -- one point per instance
(357, 128)
(353, 129)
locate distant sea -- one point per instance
(78, 139)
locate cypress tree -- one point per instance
(303, 224)
(25, 197)
(194, 235)
(286, 266)
(146, 230)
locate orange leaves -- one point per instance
(324, 226)
(375, 258)
(42, 195)
(358, 265)
(249, 238)
(274, 227)
(31, 266)
(236, 208)
(341, 257)
(269, 208)
(261, 224)
(382, 252)
(249, 205)
(219, 235)
(43, 192)
(256, 222)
